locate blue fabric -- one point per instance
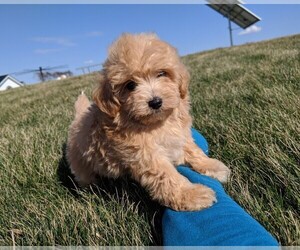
(223, 224)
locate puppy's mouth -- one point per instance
(156, 116)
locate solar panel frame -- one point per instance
(238, 14)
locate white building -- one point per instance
(8, 82)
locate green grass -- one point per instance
(245, 100)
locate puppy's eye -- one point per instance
(161, 74)
(131, 85)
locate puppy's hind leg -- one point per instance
(81, 105)
(201, 163)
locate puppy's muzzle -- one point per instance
(155, 103)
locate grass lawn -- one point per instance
(245, 100)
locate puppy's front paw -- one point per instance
(218, 170)
(195, 197)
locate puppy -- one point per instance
(139, 123)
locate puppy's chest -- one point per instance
(167, 142)
(171, 145)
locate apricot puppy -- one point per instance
(139, 123)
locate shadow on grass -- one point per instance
(107, 187)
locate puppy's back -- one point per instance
(81, 105)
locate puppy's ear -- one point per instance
(184, 79)
(104, 97)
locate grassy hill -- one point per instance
(245, 100)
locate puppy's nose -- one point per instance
(155, 103)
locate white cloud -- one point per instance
(250, 30)
(88, 62)
(45, 51)
(94, 34)
(54, 40)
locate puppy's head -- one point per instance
(143, 78)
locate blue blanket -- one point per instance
(223, 224)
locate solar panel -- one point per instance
(233, 10)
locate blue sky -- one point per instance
(79, 35)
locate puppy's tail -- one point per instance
(81, 105)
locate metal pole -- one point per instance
(230, 32)
(41, 72)
(230, 29)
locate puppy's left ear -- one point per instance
(184, 79)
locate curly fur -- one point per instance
(120, 134)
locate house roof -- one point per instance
(2, 78)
